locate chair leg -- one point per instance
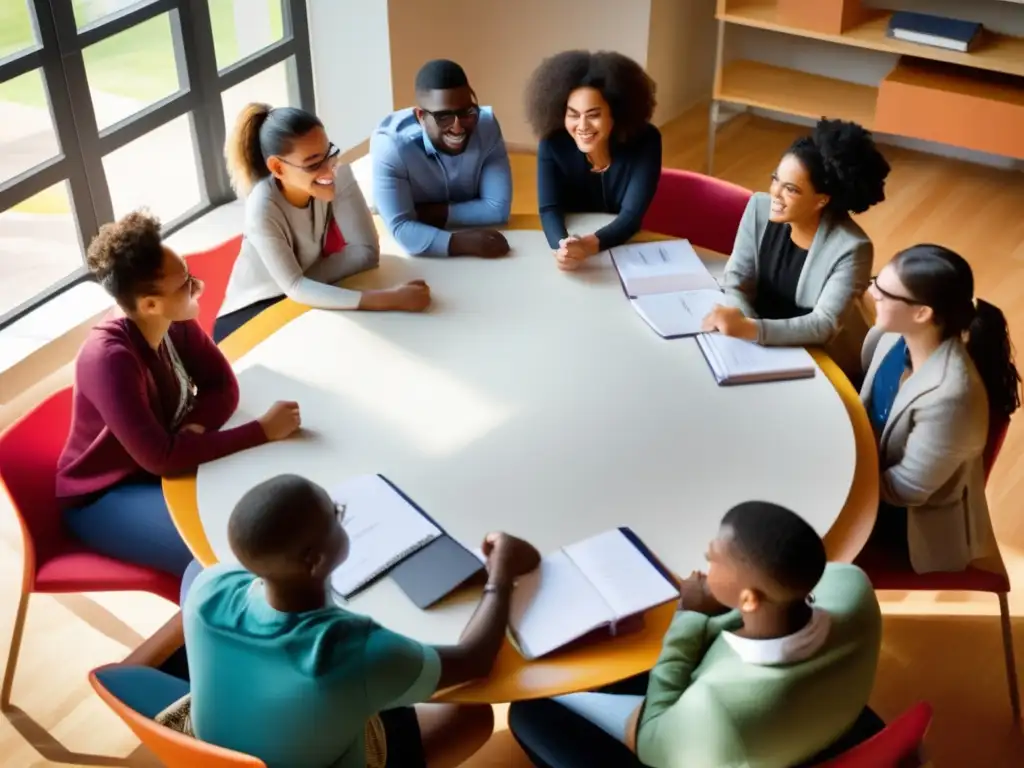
(1011, 663)
(12, 656)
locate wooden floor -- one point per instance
(944, 648)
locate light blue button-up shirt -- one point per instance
(409, 170)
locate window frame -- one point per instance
(58, 56)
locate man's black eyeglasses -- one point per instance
(332, 152)
(905, 299)
(445, 118)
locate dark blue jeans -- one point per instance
(131, 522)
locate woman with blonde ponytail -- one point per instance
(307, 225)
(940, 375)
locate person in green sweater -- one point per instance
(768, 663)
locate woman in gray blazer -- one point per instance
(800, 263)
(939, 371)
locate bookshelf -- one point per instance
(989, 80)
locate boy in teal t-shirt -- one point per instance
(281, 673)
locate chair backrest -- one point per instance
(175, 750)
(214, 267)
(898, 742)
(29, 450)
(704, 210)
(998, 426)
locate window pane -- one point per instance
(89, 11)
(131, 70)
(26, 130)
(270, 86)
(157, 171)
(242, 27)
(39, 245)
(17, 32)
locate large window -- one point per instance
(111, 105)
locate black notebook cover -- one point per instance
(436, 570)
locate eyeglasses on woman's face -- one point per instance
(879, 292)
(330, 156)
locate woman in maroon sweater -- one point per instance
(151, 394)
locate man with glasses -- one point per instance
(443, 166)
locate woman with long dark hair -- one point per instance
(939, 375)
(307, 224)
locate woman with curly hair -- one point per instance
(940, 374)
(598, 150)
(152, 393)
(800, 263)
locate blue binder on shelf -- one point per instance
(936, 31)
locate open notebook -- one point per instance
(738, 361)
(668, 285)
(390, 534)
(384, 527)
(593, 584)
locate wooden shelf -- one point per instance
(996, 53)
(796, 93)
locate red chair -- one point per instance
(704, 210)
(887, 571)
(54, 562)
(898, 742)
(214, 267)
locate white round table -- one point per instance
(532, 401)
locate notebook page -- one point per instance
(741, 359)
(554, 605)
(661, 267)
(679, 313)
(621, 573)
(382, 527)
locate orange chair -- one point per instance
(214, 267)
(55, 563)
(893, 573)
(137, 694)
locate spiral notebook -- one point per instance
(738, 361)
(384, 528)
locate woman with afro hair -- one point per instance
(800, 263)
(598, 151)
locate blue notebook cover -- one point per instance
(937, 26)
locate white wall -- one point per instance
(351, 66)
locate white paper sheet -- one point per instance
(626, 580)
(554, 605)
(735, 360)
(383, 528)
(661, 267)
(679, 313)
